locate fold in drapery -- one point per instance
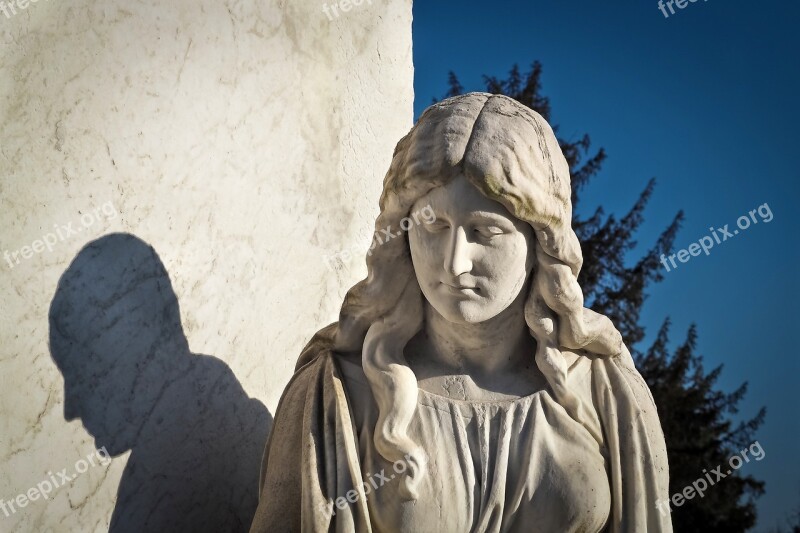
(312, 455)
(311, 458)
(635, 442)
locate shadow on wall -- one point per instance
(195, 436)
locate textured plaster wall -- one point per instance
(209, 154)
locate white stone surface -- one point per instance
(243, 141)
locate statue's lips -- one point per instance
(463, 290)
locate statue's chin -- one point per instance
(466, 312)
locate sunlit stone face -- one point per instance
(474, 259)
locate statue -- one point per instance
(465, 386)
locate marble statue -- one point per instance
(465, 386)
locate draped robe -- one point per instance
(316, 473)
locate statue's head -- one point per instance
(493, 174)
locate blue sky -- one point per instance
(705, 102)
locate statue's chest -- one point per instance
(519, 465)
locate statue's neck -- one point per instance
(499, 344)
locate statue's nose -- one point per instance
(458, 260)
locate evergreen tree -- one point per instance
(694, 415)
(700, 436)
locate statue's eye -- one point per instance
(489, 231)
(436, 226)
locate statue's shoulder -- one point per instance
(333, 365)
(312, 384)
(583, 367)
(597, 379)
(332, 376)
(580, 372)
(352, 374)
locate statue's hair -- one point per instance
(511, 155)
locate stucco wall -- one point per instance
(243, 142)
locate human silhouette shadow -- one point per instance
(196, 438)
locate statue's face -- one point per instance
(473, 261)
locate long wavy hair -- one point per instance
(511, 155)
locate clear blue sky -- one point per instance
(706, 102)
